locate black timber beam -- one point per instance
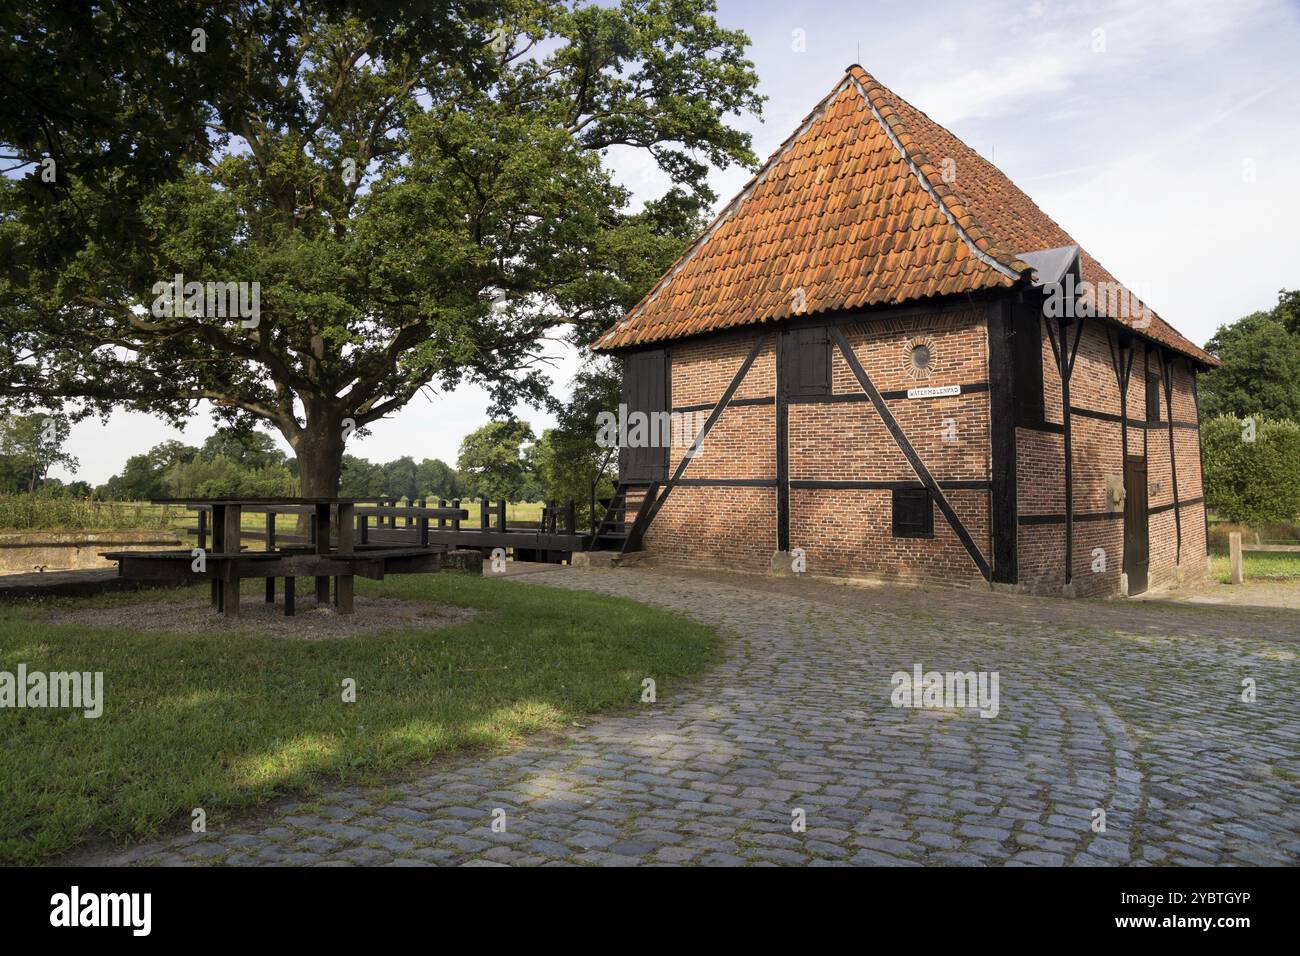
(1002, 421)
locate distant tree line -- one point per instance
(502, 459)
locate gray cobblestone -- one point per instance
(1123, 706)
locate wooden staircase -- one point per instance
(631, 499)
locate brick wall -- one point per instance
(1098, 539)
(849, 531)
(841, 531)
(724, 528)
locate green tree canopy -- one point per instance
(437, 479)
(143, 476)
(219, 476)
(29, 446)
(247, 449)
(1260, 375)
(361, 478)
(492, 461)
(420, 195)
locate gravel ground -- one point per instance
(310, 623)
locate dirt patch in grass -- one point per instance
(312, 622)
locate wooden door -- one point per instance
(645, 390)
(1136, 543)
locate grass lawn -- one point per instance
(1258, 566)
(230, 720)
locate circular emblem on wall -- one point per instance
(919, 358)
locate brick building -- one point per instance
(907, 370)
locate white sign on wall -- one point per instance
(935, 391)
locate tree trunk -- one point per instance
(319, 450)
(320, 463)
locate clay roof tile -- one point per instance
(853, 209)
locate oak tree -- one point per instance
(407, 196)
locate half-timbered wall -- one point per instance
(1176, 542)
(723, 514)
(843, 464)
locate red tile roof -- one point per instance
(852, 211)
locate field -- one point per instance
(46, 513)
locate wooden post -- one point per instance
(230, 592)
(289, 597)
(424, 529)
(203, 529)
(442, 503)
(270, 546)
(1234, 555)
(781, 420)
(410, 519)
(455, 522)
(365, 529)
(484, 509)
(570, 518)
(322, 524)
(234, 532)
(392, 518)
(1004, 513)
(501, 515)
(343, 582)
(218, 542)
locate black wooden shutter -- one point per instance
(1153, 396)
(1028, 352)
(913, 513)
(645, 389)
(807, 362)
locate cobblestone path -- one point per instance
(1134, 710)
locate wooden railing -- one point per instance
(1236, 548)
(387, 521)
(600, 473)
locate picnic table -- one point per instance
(331, 553)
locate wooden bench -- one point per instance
(332, 552)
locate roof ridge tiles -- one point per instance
(947, 200)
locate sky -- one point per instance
(1163, 136)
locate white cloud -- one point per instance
(995, 90)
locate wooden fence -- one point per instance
(1236, 548)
